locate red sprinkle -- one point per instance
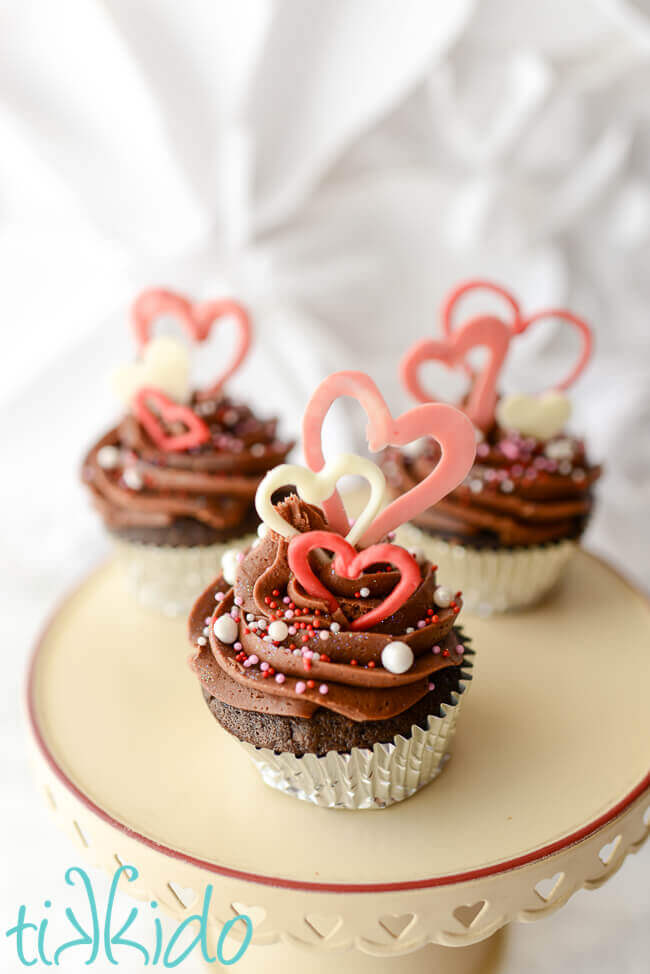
(311, 684)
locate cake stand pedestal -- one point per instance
(547, 790)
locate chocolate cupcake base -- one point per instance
(328, 731)
(365, 778)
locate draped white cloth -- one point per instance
(338, 165)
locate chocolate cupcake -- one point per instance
(174, 481)
(324, 707)
(505, 534)
(335, 655)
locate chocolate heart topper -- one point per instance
(198, 319)
(450, 428)
(494, 334)
(349, 563)
(170, 413)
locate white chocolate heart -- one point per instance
(541, 417)
(165, 365)
(314, 488)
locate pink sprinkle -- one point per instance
(482, 450)
(324, 634)
(235, 614)
(237, 646)
(460, 650)
(292, 630)
(219, 596)
(435, 650)
(253, 659)
(208, 620)
(300, 687)
(421, 624)
(264, 666)
(288, 614)
(307, 653)
(248, 662)
(238, 600)
(324, 689)
(280, 678)
(509, 450)
(432, 686)
(286, 600)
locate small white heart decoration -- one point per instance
(314, 488)
(538, 416)
(165, 365)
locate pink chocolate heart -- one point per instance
(491, 333)
(452, 430)
(197, 319)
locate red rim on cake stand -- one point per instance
(547, 790)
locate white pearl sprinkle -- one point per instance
(397, 657)
(335, 626)
(475, 485)
(278, 631)
(262, 530)
(442, 597)
(226, 629)
(559, 449)
(108, 457)
(258, 450)
(132, 479)
(202, 641)
(507, 486)
(206, 630)
(364, 592)
(229, 563)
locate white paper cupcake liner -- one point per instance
(492, 581)
(170, 579)
(365, 778)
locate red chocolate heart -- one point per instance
(349, 563)
(171, 412)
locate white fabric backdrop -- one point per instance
(338, 164)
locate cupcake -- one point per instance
(336, 660)
(175, 479)
(506, 533)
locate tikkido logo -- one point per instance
(94, 936)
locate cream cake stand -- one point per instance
(547, 791)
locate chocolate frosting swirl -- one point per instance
(521, 491)
(136, 484)
(321, 662)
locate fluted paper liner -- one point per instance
(366, 778)
(170, 579)
(493, 580)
